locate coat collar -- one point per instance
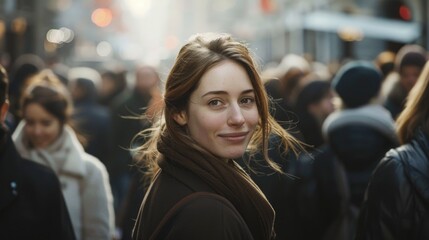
(66, 147)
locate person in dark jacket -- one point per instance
(131, 116)
(362, 131)
(31, 203)
(215, 109)
(92, 119)
(397, 199)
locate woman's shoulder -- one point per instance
(93, 165)
(209, 216)
(389, 177)
(390, 166)
(181, 205)
(92, 161)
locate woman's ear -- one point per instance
(180, 118)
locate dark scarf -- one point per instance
(228, 180)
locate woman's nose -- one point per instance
(38, 130)
(235, 117)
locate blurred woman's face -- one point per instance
(41, 128)
(107, 86)
(222, 114)
(409, 76)
(321, 109)
(146, 79)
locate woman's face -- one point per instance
(41, 128)
(222, 114)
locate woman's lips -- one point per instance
(234, 137)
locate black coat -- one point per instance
(179, 205)
(397, 199)
(126, 124)
(31, 202)
(94, 122)
(309, 199)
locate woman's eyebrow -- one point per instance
(214, 93)
(220, 92)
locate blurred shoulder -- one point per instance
(93, 165)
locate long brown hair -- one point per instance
(416, 112)
(201, 53)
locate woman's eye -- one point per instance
(29, 123)
(215, 103)
(247, 100)
(46, 123)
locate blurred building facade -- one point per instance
(151, 31)
(22, 27)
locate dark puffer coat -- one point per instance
(360, 138)
(396, 205)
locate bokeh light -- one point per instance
(102, 17)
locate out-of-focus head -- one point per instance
(386, 62)
(293, 62)
(47, 90)
(147, 78)
(290, 70)
(24, 67)
(409, 63)
(357, 83)
(112, 83)
(316, 97)
(83, 83)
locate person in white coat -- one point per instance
(45, 136)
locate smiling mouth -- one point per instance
(234, 137)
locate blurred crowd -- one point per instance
(344, 114)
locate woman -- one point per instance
(215, 105)
(397, 198)
(44, 136)
(409, 63)
(314, 103)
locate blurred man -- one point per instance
(31, 202)
(92, 119)
(132, 116)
